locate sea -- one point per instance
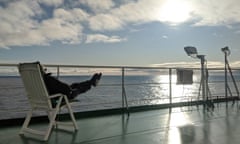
(111, 92)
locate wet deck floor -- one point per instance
(183, 125)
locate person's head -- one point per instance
(42, 68)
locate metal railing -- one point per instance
(121, 87)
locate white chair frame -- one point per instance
(40, 100)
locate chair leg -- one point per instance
(52, 117)
(25, 128)
(73, 119)
(26, 122)
(71, 113)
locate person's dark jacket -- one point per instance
(55, 86)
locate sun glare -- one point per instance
(175, 11)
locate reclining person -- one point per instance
(55, 86)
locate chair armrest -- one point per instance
(56, 95)
(64, 103)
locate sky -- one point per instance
(119, 32)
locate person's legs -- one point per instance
(82, 87)
(95, 79)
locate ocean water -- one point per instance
(140, 90)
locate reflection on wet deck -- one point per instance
(182, 125)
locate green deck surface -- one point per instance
(181, 125)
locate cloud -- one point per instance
(214, 12)
(103, 22)
(52, 2)
(15, 25)
(178, 64)
(98, 5)
(26, 23)
(165, 37)
(210, 64)
(235, 64)
(58, 29)
(103, 38)
(40, 22)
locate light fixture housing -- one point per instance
(226, 50)
(191, 51)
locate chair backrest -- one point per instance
(34, 85)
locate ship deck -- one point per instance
(179, 125)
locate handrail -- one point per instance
(117, 67)
(122, 70)
(109, 66)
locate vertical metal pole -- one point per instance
(170, 86)
(226, 85)
(58, 72)
(123, 87)
(203, 78)
(206, 82)
(124, 96)
(233, 79)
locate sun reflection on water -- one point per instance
(179, 92)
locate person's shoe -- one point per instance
(95, 79)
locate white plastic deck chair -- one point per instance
(40, 100)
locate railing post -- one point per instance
(58, 72)
(124, 96)
(226, 75)
(123, 87)
(170, 86)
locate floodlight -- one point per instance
(226, 50)
(191, 51)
